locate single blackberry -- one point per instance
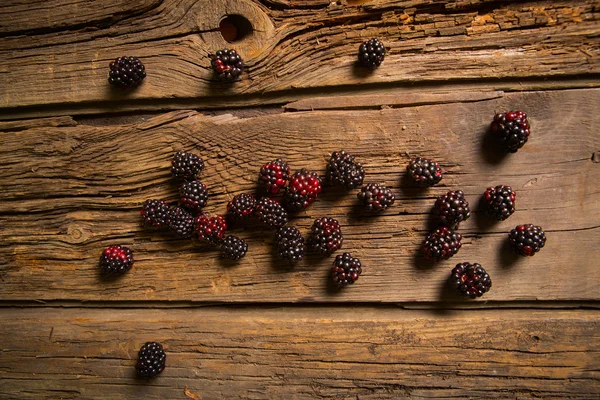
(422, 170)
(527, 240)
(271, 213)
(470, 279)
(227, 65)
(303, 189)
(193, 195)
(116, 260)
(327, 235)
(499, 202)
(186, 165)
(371, 53)
(274, 175)
(241, 206)
(452, 208)
(345, 270)
(342, 170)
(290, 244)
(441, 244)
(210, 229)
(155, 213)
(151, 360)
(234, 248)
(376, 197)
(180, 222)
(126, 72)
(512, 128)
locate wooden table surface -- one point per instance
(78, 159)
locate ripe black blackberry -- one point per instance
(193, 195)
(527, 240)
(441, 244)
(126, 72)
(116, 260)
(512, 129)
(180, 222)
(345, 270)
(234, 248)
(470, 279)
(426, 171)
(290, 244)
(271, 213)
(376, 197)
(302, 190)
(151, 360)
(452, 208)
(241, 206)
(342, 170)
(155, 213)
(186, 165)
(327, 235)
(227, 65)
(210, 229)
(274, 175)
(499, 202)
(371, 53)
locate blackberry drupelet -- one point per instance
(527, 240)
(426, 171)
(151, 360)
(327, 235)
(290, 244)
(371, 53)
(376, 197)
(274, 175)
(116, 260)
(441, 244)
(342, 170)
(499, 202)
(126, 72)
(452, 208)
(180, 222)
(470, 279)
(271, 213)
(155, 213)
(186, 165)
(303, 189)
(227, 65)
(241, 206)
(193, 195)
(211, 229)
(512, 129)
(345, 270)
(234, 248)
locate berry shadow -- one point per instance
(360, 71)
(484, 223)
(420, 263)
(358, 213)
(491, 150)
(508, 258)
(412, 189)
(446, 295)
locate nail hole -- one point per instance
(235, 28)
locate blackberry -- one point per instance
(470, 279)
(227, 65)
(155, 213)
(452, 208)
(441, 244)
(241, 206)
(345, 270)
(126, 72)
(193, 195)
(512, 129)
(271, 213)
(210, 229)
(344, 171)
(290, 244)
(527, 240)
(234, 248)
(371, 53)
(151, 360)
(186, 165)
(327, 235)
(426, 171)
(116, 260)
(274, 175)
(303, 189)
(180, 222)
(499, 202)
(376, 197)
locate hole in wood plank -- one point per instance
(235, 28)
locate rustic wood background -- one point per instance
(78, 159)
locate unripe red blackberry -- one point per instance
(512, 129)
(193, 195)
(470, 279)
(376, 197)
(116, 260)
(499, 202)
(241, 206)
(271, 213)
(345, 270)
(274, 176)
(155, 213)
(227, 65)
(210, 229)
(371, 53)
(302, 190)
(342, 170)
(441, 244)
(186, 165)
(126, 72)
(452, 208)
(151, 360)
(526, 240)
(425, 171)
(327, 235)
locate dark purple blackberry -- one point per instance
(271, 213)
(193, 195)
(527, 240)
(342, 170)
(234, 248)
(227, 65)
(452, 208)
(470, 279)
(290, 244)
(126, 72)
(371, 53)
(116, 260)
(241, 206)
(499, 202)
(186, 165)
(426, 171)
(155, 213)
(180, 222)
(151, 360)
(274, 175)
(441, 244)
(512, 129)
(327, 235)
(345, 270)
(303, 189)
(210, 229)
(376, 197)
